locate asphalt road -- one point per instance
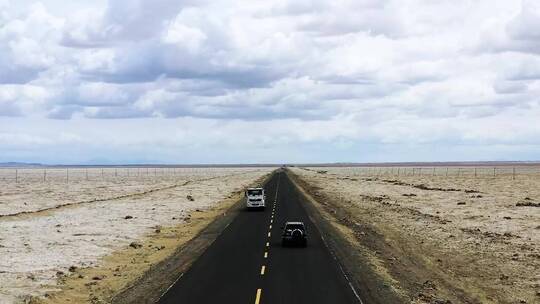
(246, 263)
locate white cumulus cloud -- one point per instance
(335, 80)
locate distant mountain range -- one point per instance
(387, 164)
(19, 165)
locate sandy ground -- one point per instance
(462, 239)
(63, 228)
(57, 187)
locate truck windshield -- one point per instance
(255, 192)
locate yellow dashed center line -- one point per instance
(263, 267)
(258, 296)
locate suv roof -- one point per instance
(294, 223)
(255, 188)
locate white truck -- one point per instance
(255, 198)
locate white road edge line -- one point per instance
(341, 268)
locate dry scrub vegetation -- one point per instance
(441, 239)
(85, 236)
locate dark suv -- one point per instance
(294, 233)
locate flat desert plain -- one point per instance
(438, 238)
(57, 226)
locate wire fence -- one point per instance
(72, 174)
(465, 172)
(79, 174)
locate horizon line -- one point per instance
(274, 164)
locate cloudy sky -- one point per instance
(185, 81)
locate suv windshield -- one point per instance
(254, 192)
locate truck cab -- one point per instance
(255, 198)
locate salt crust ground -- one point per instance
(91, 219)
(477, 233)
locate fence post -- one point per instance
(101, 173)
(115, 172)
(44, 175)
(433, 171)
(513, 173)
(86, 171)
(475, 172)
(447, 171)
(494, 169)
(16, 176)
(67, 175)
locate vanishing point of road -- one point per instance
(247, 264)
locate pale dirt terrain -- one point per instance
(441, 239)
(47, 235)
(57, 187)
